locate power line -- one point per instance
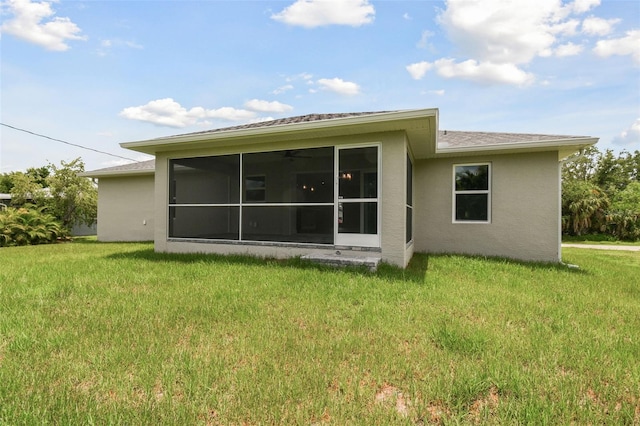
(67, 143)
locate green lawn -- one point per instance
(117, 334)
(597, 239)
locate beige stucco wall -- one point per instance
(392, 194)
(525, 208)
(126, 208)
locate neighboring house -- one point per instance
(5, 201)
(125, 202)
(383, 184)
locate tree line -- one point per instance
(46, 202)
(601, 194)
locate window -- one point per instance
(255, 189)
(472, 193)
(409, 201)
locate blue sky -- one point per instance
(97, 73)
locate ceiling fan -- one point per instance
(293, 154)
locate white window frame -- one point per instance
(476, 191)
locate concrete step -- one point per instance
(332, 259)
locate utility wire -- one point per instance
(68, 143)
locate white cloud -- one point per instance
(407, 17)
(317, 13)
(437, 92)
(419, 69)
(107, 44)
(630, 136)
(167, 112)
(483, 72)
(472, 70)
(261, 119)
(568, 49)
(628, 45)
(340, 86)
(497, 38)
(567, 28)
(506, 31)
(582, 6)
(598, 26)
(266, 106)
(283, 89)
(34, 22)
(424, 39)
(133, 45)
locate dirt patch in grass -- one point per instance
(391, 396)
(484, 406)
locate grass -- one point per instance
(96, 333)
(597, 239)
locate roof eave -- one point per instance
(564, 147)
(303, 130)
(117, 173)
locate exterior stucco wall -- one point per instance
(393, 200)
(391, 195)
(525, 208)
(126, 208)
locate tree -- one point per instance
(25, 190)
(631, 164)
(610, 174)
(581, 166)
(36, 174)
(39, 175)
(6, 183)
(72, 199)
(584, 207)
(589, 181)
(628, 198)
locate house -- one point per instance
(382, 184)
(125, 202)
(5, 201)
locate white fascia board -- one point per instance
(117, 173)
(161, 144)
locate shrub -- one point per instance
(624, 224)
(28, 226)
(584, 208)
(623, 219)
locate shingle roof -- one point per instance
(457, 139)
(284, 121)
(139, 167)
(447, 139)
